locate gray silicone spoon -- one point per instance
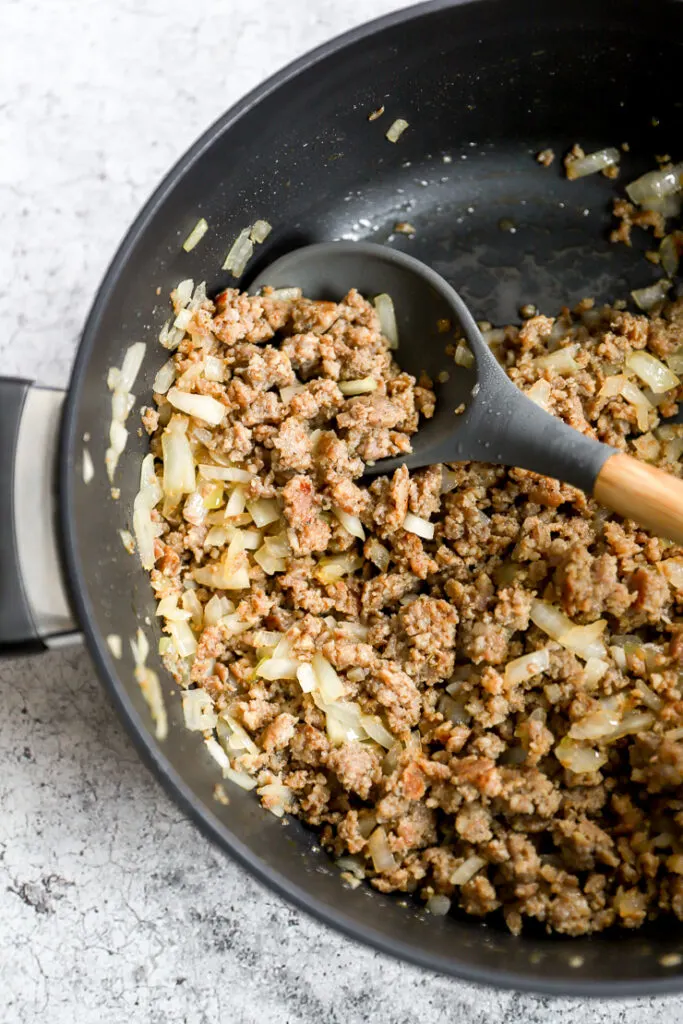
(499, 423)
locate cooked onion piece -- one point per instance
(529, 665)
(387, 319)
(202, 407)
(585, 641)
(198, 710)
(397, 129)
(120, 383)
(652, 371)
(380, 851)
(656, 184)
(647, 298)
(351, 524)
(467, 870)
(419, 526)
(591, 163)
(195, 236)
(240, 253)
(363, 386)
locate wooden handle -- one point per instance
(642, 493)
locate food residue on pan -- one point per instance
(545, 157)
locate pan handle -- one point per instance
(34, 609)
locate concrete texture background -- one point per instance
(112, 907)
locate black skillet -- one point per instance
(484, 85)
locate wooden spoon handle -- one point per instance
(642, 493)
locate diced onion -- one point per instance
(237, 502)
(149, 494)
(203, 407)
(120, 382)
(289, 391)
(577, 758)
(375, 729)
(658, 377)
(397, 129)
(183, 319)
(269, 562)
(351, 523)
(217, 753)
(464, 355)
(467, 870)
(219, 576)
(593, 671)
(419, 526)
(377, 553)
(285, 294)
(672, 568)
(599, 723)
(591, 163)
(88, 467)
(263, 511)
(635, 397)
(276, 797)
(164, 378)
(278, 545)
(240, 253)
(650, 699)
(127, 541)
(230, 473)
(198, 710)
(308, 681)
(183, 293)
(668, 206)
(196, 235)
(380, 851)
(560, 361)
(331, 568)
(586, 641)
(278, 668)
(582, 640)
(115, 645)
(363, 386)
(329, 683)
(214, 368)
(183, 638)
(669, 253)
(540, 393)
(529, 665)
(387, 318)
(647, 298)
(179, 476)
(647, 447)
(260, 230)
(239, 778)
(655, 185)
(438, 905)
(675, 361)
(239, 737)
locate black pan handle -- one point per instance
(34, 610)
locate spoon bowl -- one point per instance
(495, 421)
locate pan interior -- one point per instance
(484, 86)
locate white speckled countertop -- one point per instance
(112, 907)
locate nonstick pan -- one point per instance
(483, 85)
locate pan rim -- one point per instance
(148, 748)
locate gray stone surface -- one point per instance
(112, 907)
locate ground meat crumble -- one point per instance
(433, 771)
